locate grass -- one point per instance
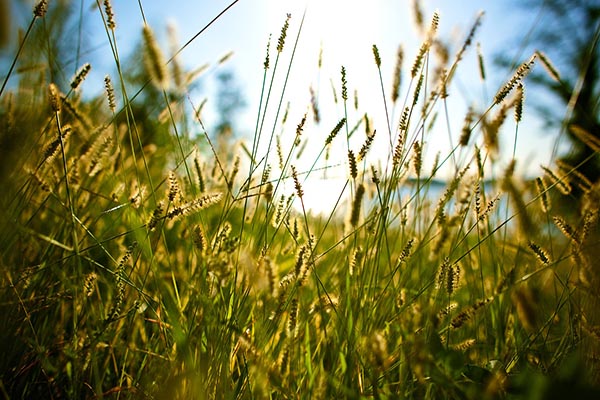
(141, 261)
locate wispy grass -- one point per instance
(140, 261)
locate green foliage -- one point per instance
(140, 261)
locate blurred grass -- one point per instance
(139, 261)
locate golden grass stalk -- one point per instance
(543, 194)
(464, 345)
(448, 277)
(581, 180)
(397, 82)
(89, 284)
(293, 318)
(366, 146)
(376, 56)
(417, 92)
(297, 184)
(40, 9)
(418, 15)
(417, 158)
(470, 36)
(518, 76)
(278, 215)
(561, 183)
(299, 129)
(374, 175)
(419, 59)
(283, 35)
(567, 229)
(465, 315)
(110, 16)
(356, 205)
(540, 253)
(548, 66)
(480, 62)
(110, 93)
(156, 216)
(54, 98)
(352, 164)
(405, 254)
(80, 75)
(519, 99)
(585, 137)
(356, 259)
(154, 60)
(267, 62)
(344, 84)
(51, 151)
(199, 174)
(314, 105)
(194, 205)
(100, 150)
(173, 187)
(466, 129)
(335, 131)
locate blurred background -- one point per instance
(329, 34)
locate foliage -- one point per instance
(138, 262)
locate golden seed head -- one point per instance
(54, 95)
(356, 205)
(344, 84)
(40, 9)
(267, 58)
(80, 75)
(519, 102)
(548, 66)
(419, 59)
(154, 59)
(297, 185)
(281, 40)
(352, 164)
(480, 62)
(156, 216)
(110, 93)
(466, 130)
(417, 157)
(518, 76)
(397, 74)
(376, 55)
(110, 16)
(543, 193)
(335, 131)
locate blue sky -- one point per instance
(346, 31)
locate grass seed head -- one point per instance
(110, 16)
(283, 35)
(352, 164)
(376, 56)
(518, 76)
(548, 66)
(154, 60)
(356, 205)
(344, 84)
(54, 97)
(397, 82)
(40, 10)
(110, 93)
(80, 75)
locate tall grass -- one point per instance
(141, 261)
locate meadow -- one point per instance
(147, 255)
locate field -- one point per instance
(147, 255)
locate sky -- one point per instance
(343, 31)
